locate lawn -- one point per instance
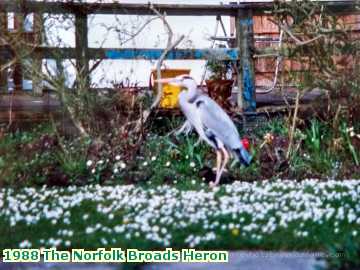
(266, 215)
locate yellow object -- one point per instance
(169, 99)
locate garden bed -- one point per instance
(267, 215)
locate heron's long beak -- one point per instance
(164, 80)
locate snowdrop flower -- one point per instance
(122, 165)
(89, 163)
(25, 244)
(116, 170)
(89, 230)
(167, 164)
(192, 164)
(145, 164)
(117, 157)
(104, 241)
(153, 158)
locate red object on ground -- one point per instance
(246, 143)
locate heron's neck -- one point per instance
(192, 93)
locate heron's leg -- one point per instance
(185, 128)
(218, 167)
(225, 161)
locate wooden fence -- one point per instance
(249, 18)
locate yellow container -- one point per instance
(169, 99)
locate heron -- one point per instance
(211, 122)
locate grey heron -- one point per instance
(211, 122)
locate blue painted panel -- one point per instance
(248, 89)
(178, 54)
(247, 22)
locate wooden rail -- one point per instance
(243, 12)
(340, 7)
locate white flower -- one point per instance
(116, 170)
(100, 162)
(122, 165)
(89, 163)
(117, 157)
(104, 241)
(167, 164)
(93, 171)
(145, 164)
(153, 158)
(192, 164)
(89, 230)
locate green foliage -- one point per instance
(317, 142)
(165, 160)
(344, 255)
(345, 133)
(41, 156)
(218, 69)
(71, 158)
(219, 66)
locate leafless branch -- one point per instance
(170, 46)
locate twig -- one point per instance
(170, 46)
(298, 42)
(132, 36)
(293, 126)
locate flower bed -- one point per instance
(272, 215)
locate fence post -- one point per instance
(245, 43)
(38, 32)
(17, 67)
(81, 42)
(3, 74)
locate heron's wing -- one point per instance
(192, 117)
(214, 118)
